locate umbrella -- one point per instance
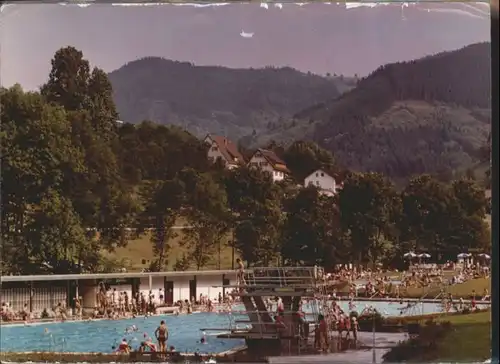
(410, 255)
(463, 255)
(485, 256)
(424, 255)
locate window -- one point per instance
(316, 174)
(322, 174)
(215, 149)
(317, 183)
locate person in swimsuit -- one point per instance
(124, 347)
(241, 272)
(161, 334)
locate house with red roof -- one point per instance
(224, 150)
(269, 162)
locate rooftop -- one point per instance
(101, 276)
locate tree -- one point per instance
(68, 80)
(468, 231)
(471, 197)
(150, 151)
(36, 154)
(100, 197)
(367, 202)
(163, 201)
(207, 214)
(311, 232)
(303, 157)
(58, 239)
(444, 219)
(425, 213)
(100, 104)
(257, 213)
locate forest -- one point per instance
(428, 115)
(75, 184)
(220, 100)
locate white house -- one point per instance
(224, 150)
(269, 162)
(326, 183)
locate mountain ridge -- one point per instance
(430, 112)
(426, 115)
(214, 99)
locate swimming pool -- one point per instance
(101, 335)
(387, 308)
(185, 334)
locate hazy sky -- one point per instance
(319, 38)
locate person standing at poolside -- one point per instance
(78, 307)
(161, 334)
(240, 277)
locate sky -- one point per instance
(319, 38)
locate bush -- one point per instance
(423, 347)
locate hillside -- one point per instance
(428, 115)
(234, 102)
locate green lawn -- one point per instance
(139, 253)
(467, 340)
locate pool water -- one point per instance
(184, 330)
(386, 308)
(102, 335)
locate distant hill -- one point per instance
(428, 115)
(232, 102)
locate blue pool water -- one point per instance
(100, 336)
(185, 334)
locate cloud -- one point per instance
(246, 35)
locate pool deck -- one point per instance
(71, 357)
(165, 311)
(383, 343)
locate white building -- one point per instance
(224, 150)
(45, 291)
(269, 162)
(326, 183)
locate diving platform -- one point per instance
(288, 285)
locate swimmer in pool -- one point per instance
(124, 347)
(352, 305)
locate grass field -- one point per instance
(463, 290)
(469, 339)
(138, 254)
